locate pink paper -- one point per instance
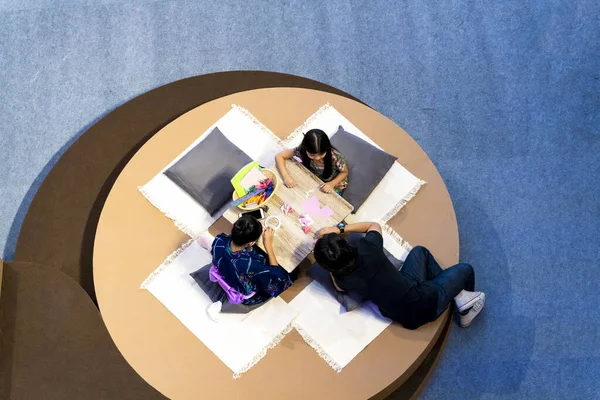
(305, 220)
(287, 209)
(326, 212)
(313, 207)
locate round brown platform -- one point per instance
(53, 343)
(60, 224)
(133, 238)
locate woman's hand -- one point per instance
(289, 181)
(327, 187)
(327, 230)
(268, 237)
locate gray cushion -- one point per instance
(367, 165)
(395, 262)
(349, 300)
(206, 170)
(216, 293)
(229, 308)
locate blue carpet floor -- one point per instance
(504, 96)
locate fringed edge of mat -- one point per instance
(399, 239)
(316, 347)
(182, 227)
(402, 202)
(300, 130)
(274, 342)
(255, 121)
(166, 263)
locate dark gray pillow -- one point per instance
(206, 170)
(214, 291)
(395, 262)
(367, 165)
(349, 300)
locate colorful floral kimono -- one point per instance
(247, 271)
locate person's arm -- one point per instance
(328, 187)
(275, 279)
(268, 242)
(359, 227)
(271, 253)
(280, 161)
(363, 227)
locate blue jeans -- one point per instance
(421, 265)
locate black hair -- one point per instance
(335, 254)
(317, 142)
(245, 230)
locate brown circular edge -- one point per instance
(71, 196)
(49, 323)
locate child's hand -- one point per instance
(268, 237)
(289, 181)
(327, 187)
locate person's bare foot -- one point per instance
(205, 240)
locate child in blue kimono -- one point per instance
(244, 267)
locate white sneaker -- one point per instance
(465, 320)
(466, 300)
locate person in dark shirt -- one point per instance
(416, 295)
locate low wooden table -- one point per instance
(291, 244)
(133, 238)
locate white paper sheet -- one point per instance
(338, 336)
